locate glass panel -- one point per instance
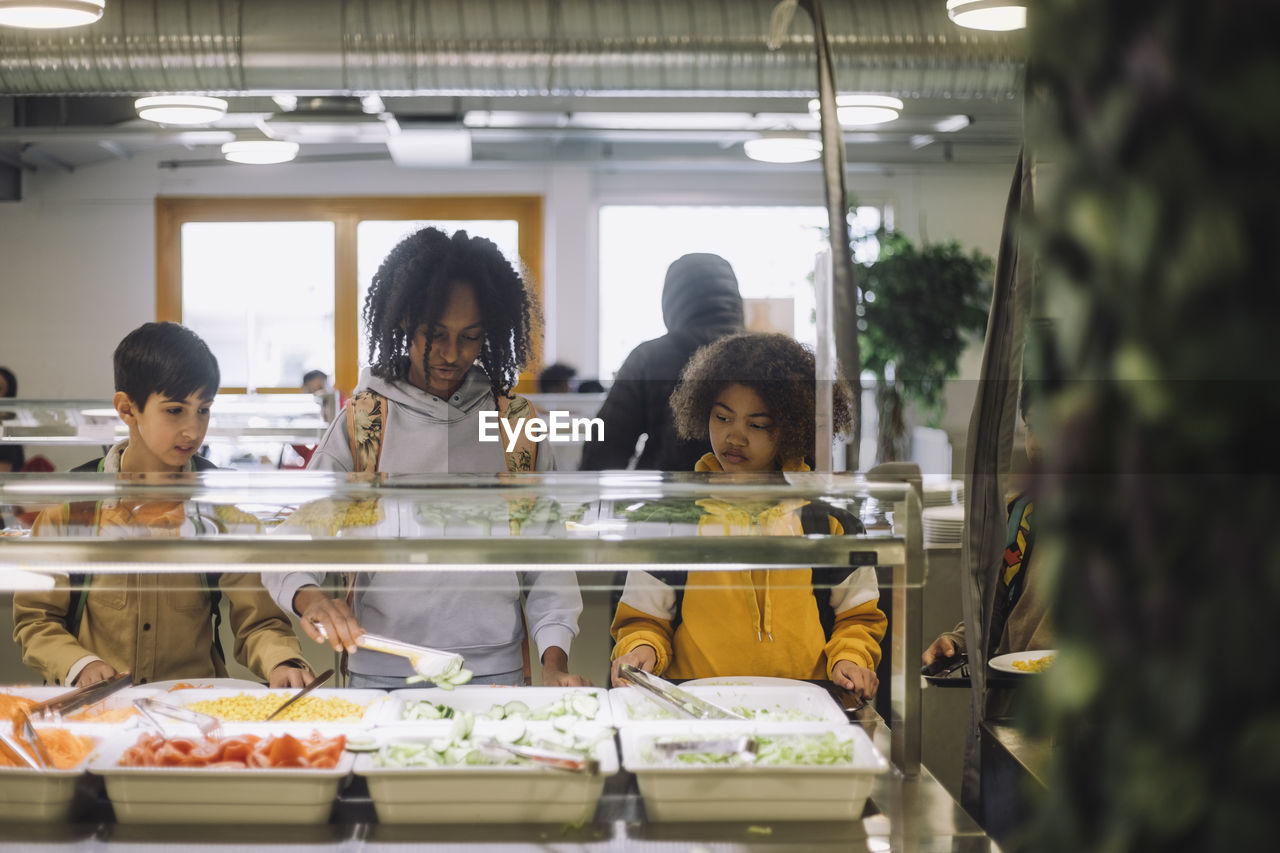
(771, 249)
(376, 238)
(261, 295)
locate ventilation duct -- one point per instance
(505, 47)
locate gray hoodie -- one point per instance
(477, 614)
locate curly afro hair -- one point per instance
(778, 368)
(412, 286)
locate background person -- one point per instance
(700, 302)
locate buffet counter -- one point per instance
(903, 813)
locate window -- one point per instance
(275, 286)
(771, 250)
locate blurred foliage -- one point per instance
(920, 306)
(1158, 258)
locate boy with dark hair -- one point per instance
(156, 626)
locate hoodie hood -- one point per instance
(474, 392)
(700, 295)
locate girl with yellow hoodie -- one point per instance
(752, 397)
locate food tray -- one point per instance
(796, 702)
(479, 699)
(39, 795)
(488, 794)
(119, 700)
(674, 792)
(371, 699)
(208, 795)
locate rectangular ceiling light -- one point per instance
(425, 148)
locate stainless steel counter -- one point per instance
(913, 814)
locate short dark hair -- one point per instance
(778, 368)
(313, 374)
(11, 381)
(165, 358)
(412, 286)
(555, 374)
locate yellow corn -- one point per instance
(247, 708)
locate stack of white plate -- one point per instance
(943, 525)
(943, 491)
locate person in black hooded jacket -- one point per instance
(700, 303)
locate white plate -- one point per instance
(794, 701)
(1004, 663)
(205, 683)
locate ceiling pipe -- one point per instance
(504, 47)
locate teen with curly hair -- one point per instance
(752, 397)
(448, 330)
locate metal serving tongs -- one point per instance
(65, 703)
(572, 762)
(209, 725)
(673, 697)
(426, 662)
(746, 748)
(38, 758)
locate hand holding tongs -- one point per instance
(65, 703)
(426, 662)
(673, 697)
(573, 762)
(209, 725)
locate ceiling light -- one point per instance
(260, 152)
(783, 148)
(862, 110)
(49, 14)
(180, 109)
(920, 140)
(951, 124)
(999, 15)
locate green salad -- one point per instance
(774, 751)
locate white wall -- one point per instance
(77, 255)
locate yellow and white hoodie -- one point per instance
(751, 622)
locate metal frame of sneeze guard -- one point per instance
(908, 618)
(598, 548)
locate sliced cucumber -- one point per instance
(563, 723)
(462, 676)
(362, 743)
(585, 705)
(516, 707)
(441, 744)
(496, 713)
(510, 730)
(463, 723)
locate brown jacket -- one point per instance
(156, 626)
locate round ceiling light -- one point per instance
(180, 109)
(260, 152)
(49, 14)
(862, 110)
(783, 148)
(997, 15)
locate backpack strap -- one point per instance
(524, 455)
(365, 430)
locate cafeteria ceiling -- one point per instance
(621, 82)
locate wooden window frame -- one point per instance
(172, 212)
